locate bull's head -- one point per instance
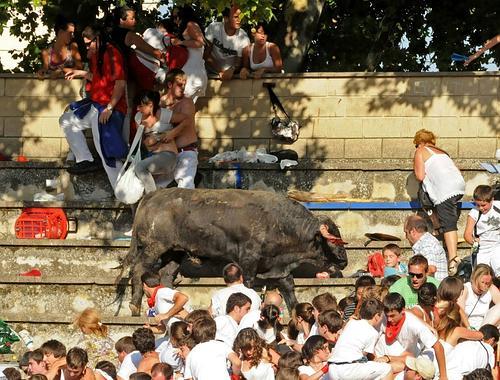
(333, 244)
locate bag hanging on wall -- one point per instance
(284, 129)
(129, 188)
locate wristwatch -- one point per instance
(109, 107)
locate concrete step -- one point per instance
(101, 258)
(364, 179)
(108, 220)
(46, 306)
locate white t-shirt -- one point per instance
(164, 300)
(467, 356)
(226, 48)
(314, 330)
(219, 298)
(207, 361)
(488, 227)
(129, 365)
(227, 329)
(413, 335)
(157, 40)
(358, 338)
(250, 320)
(169, 354)
(131, 361)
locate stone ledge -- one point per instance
(64, 243)
(185, 282)
(304, 164)
(332, 74)
(83, 205)
(61, 319)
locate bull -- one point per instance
(267, 234)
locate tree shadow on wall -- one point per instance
(451, 98)
(31, 109)
(237, 115)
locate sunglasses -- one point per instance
(417, 275)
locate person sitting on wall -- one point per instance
(226, 41)
(261, 56)
(62, 55)
(104, 112)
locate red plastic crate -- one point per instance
(42, 223)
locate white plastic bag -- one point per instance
(129, 188)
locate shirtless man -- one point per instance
(184, 134)
(76, 366)
(54, 356)
(144, 342)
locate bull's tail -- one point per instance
(121, 282)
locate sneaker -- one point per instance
(84, 167)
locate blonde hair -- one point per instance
(90, 320)
(424, 136)
(374, 291)
(479, 271)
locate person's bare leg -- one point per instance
(451, 241)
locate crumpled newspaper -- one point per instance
(243, 155)
(46, 197)
(287, 163)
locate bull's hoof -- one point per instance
(136, 311)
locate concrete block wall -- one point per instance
(344, 115)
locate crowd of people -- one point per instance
(419, 323)
(411, 327)
(126, 74)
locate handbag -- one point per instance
(129, 188)
(284, 129)
(424, 198)
(427, 205)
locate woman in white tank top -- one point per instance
(261, 56)
(478, 294)
(445, 185)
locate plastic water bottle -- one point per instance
(475, 248)
(26, 338)
(151, 312)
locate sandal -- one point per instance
(453, 266)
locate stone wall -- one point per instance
(344, 115)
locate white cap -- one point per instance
(422, 365)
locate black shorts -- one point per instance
(448, 213)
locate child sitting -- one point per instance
(392, 254)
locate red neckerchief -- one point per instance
(392, 331)
(151, 300)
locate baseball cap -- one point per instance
(422, 365)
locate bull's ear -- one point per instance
(323, 229)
